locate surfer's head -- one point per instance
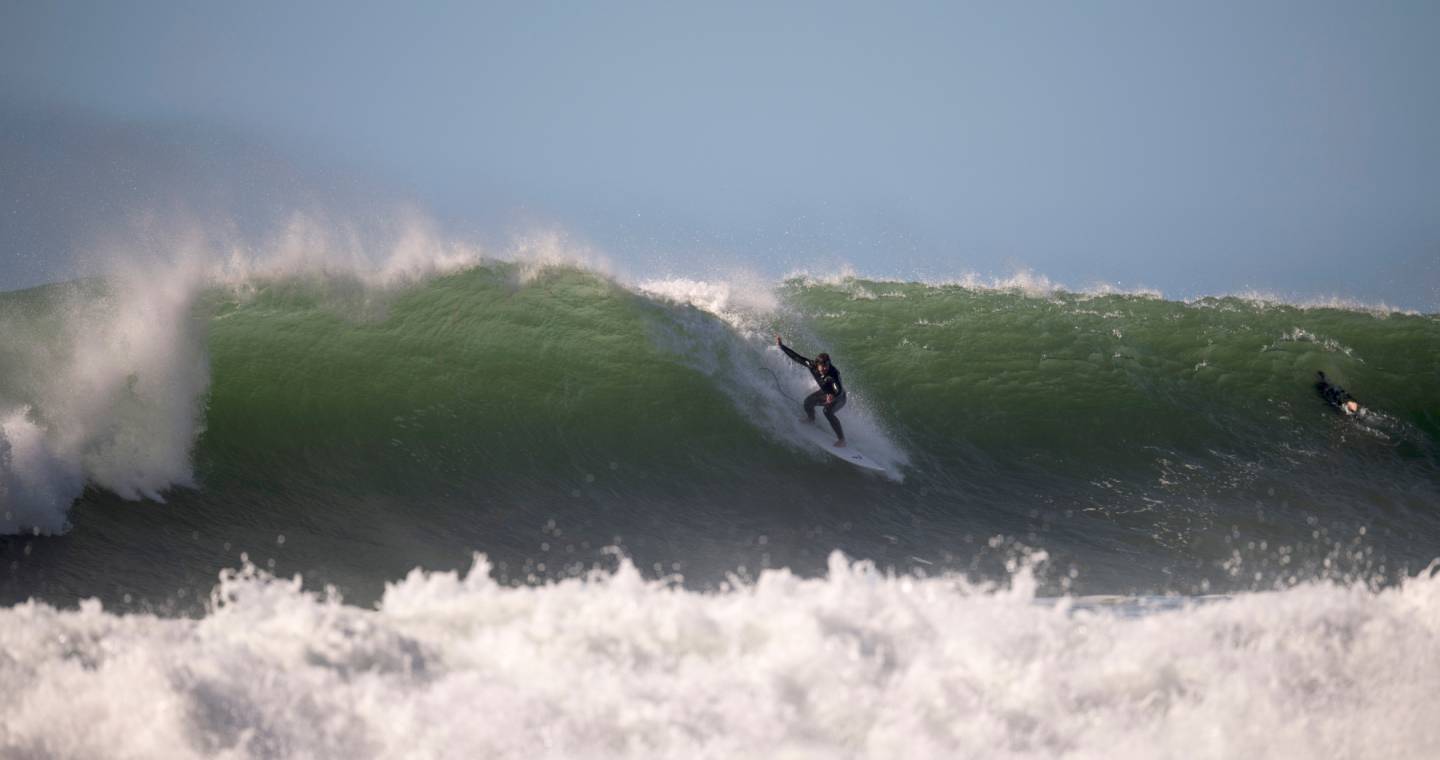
(823, 359)
(1352, 406)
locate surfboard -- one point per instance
(825, 439)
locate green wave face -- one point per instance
(474, 375)
(1090, 380)
(519, 372)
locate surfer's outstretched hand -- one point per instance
(777, 341)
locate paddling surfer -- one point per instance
(830, 396)
(1337, 397)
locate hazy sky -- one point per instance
(1195, 147)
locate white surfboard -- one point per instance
(825, 439)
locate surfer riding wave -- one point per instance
(831, 395)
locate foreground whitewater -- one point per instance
(855, 664)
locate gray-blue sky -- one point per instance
(1194, 147)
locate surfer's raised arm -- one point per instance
(831, 393)
(797, 357)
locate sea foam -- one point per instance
(856, 664)
(112, 396)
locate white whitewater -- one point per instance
(858, 664)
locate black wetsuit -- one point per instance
(829, 382)
(1332, 393)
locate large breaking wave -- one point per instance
(1156, 438)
